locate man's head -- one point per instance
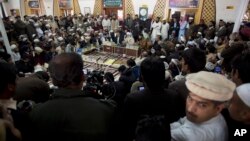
(193, 60)
(158, 19)
(7, 80)
(240, 69)
(208, 93)
(239, 108)
(66, 71)
(153, 72)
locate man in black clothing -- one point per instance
(154, 100)
(69, 114)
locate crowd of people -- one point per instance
(191, 81)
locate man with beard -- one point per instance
(208, 93)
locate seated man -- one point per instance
(129, 41)
(117, 37)
(208, 93)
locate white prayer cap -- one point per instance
(33, 35)
(60, 38)
(80, 25)
(47, 25)
(243, 92)
(129, 33)
(13, 46)
(50, 34)
(36, 24)
(162, 56)
(50, 40)
(24, 39)
(36, 40)
(177, 45)
(211, 40)
(82, 38)
(191, 18)
(71, 30)
(199, 33)
(38, 49)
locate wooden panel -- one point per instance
(119, 50)
(108, 49)
(131, 52)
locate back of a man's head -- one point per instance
(66, 70)
(241, 65)
(195, 59)
(153, 72)
(7, 77)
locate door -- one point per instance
(112, 11)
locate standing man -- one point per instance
(69, 114)
(136, 28)
(208, 93)
(164, 30)
(128, 22)
(106, 24)
(156, 28)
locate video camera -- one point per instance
(94, 83)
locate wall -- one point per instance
(87, 3)
(48, 4)
(11, 4)
(227, 14)
(150, 3)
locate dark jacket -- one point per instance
(234, 126)
(71, 116)
(181, 89)
(148, 102)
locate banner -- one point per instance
(112, 3)
(65, 4)
(183, 3)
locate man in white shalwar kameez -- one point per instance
(164, 30)
(156, 28)
(208, 93)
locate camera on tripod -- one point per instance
(94, 83)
